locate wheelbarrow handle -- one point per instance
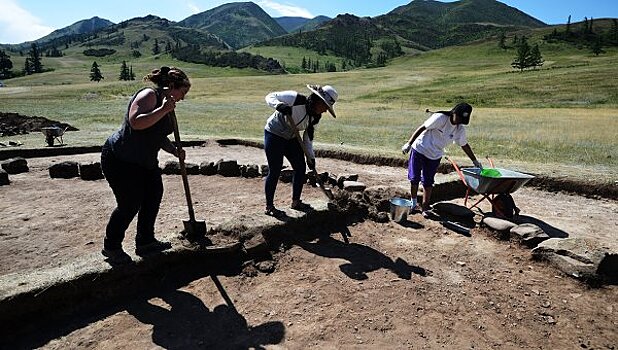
(461, 176)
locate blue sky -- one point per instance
(24, 20)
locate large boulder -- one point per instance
(529, 234)
(228, 168)
(15, 165)
(453, 209)
(581, 258)
(90, 171)
(64, 170)
(208, 168)
(250, 171)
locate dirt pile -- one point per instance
(12, 124)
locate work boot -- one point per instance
(155, 246)
(116, 256)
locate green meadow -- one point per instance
(559, 119)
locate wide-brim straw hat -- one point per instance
(328, 94)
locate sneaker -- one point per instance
(117, 256)
(416, 209)
(274, 212)
(299, 205)
(155, 246)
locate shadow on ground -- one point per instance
(362, 259)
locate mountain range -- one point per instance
(419, 25)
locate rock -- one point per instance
(192, 169)
(354, 186)
(250, 171)
(208, 168)
(256, 246)
(64, 170)
(578, 257)
(529, 234)
(346, 177)
(499, 225)
(286, 175)
(264, 170)
(15, 165)
(228, 168)
(4, 178)
(265, 266)
(454, 210)
(90, 171)
(171, 167)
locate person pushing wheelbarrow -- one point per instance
(427, 144)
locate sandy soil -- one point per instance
(392, 286)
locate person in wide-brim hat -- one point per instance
(327, 93)
(294, 112)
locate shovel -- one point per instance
(327, 191)
(193, 229)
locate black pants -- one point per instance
(137, 190)
(276, 148)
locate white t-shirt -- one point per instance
(439, 133)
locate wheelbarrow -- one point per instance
(491, 182)
(53, 133)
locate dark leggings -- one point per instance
(276, 148)
(137, 190)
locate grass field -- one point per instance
(562, 115)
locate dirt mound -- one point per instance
(15, 124)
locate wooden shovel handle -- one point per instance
(183, 169)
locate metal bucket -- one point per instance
(400, 209)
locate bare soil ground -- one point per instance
(393, 286)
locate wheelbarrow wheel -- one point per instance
(50, 140)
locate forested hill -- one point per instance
(239, 24)
(437, 24)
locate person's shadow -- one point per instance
(186, 323)
(362, 259)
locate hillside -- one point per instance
(353, 38)
(436, 24)
(296, 24)
(238, 24)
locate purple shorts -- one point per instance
(420, 164)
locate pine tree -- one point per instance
(5, 65)
(502, 41)
(95, 73)
(155, 48)
(536, 59)
(124, 72)
(34, 56)
(131, 74)
(522, 60)
(304, 63)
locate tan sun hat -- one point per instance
(328, 94)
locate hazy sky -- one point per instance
(25, 20)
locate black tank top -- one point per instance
(141, 147)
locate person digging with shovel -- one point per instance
(280, 138)
(427, 144)
(131, 167)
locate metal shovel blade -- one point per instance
(194, 229)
